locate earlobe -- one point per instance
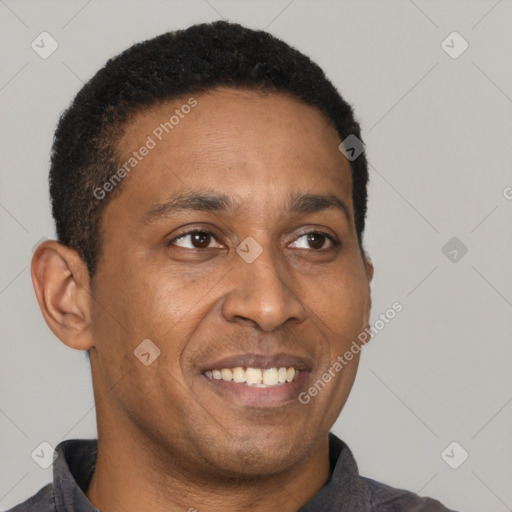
(368, 265)
(61, 283)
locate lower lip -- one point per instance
(260, 397)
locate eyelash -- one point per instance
(333, 241)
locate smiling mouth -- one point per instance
(255, 377)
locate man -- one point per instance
(210, 260)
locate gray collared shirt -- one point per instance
(345, 491)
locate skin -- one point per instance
(168, 440)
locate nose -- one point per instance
(263, 294)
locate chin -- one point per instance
(258, 456)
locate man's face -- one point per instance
(298, 304)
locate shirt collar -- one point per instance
(72, 473)
(345, 489)
(76, 461)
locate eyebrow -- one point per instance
(201, 202)
(222, 203)
(312, 203)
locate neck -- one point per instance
(131, 475)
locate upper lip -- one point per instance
(264, 361)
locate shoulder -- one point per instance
(389, 499)
(42, 501)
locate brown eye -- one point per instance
(200, 240)
(313, 240)
(316, 240)
(194, 240)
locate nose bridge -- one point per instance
(261, 291)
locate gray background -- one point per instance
(438, 133)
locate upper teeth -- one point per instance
(259, 377)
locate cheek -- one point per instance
(340, 303)
(159, 303)
(142, 307)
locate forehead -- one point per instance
(253, 145)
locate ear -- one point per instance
(368, 265)
(62, 286)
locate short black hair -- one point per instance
(174, 64)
